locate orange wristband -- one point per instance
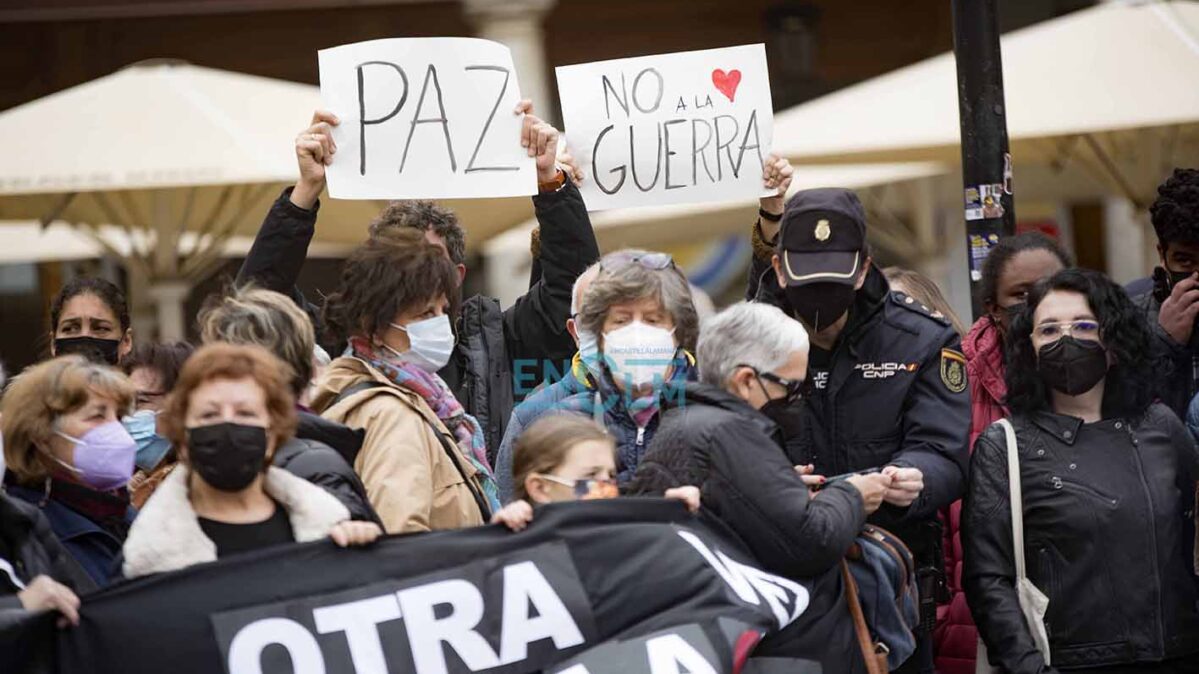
(554, 185)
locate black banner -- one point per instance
(601, 586)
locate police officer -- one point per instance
(888, 380)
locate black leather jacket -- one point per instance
(1107, 536)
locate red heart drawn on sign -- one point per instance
(727, 83)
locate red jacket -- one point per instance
(955, 634)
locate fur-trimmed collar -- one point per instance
(166, 535)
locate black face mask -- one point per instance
(1013, 310)
(787, 415)
(819, 305)
(102, 351)
(1164, 281)
(228, 456)
(1072, 366)
(1177, 277)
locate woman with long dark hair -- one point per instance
(90, 316)
(1012, 268)
(1108, 480)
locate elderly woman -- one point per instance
(231, 410)
(91, 317)
(423, 460)
(639, 315)
(68, 454)
(321, 451)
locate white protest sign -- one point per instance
(425, 118)
(674, 128)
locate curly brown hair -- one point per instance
(395, 270)
(232, 361)
(424, 216)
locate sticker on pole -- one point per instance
(425, 118)
(673, 128)
(984, 202)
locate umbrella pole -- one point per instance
(986, 160)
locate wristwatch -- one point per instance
(772, 217)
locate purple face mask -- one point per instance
(103, 456)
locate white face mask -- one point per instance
(639, 354)
(430, 341)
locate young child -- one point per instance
(566, 457)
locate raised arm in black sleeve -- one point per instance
(279, 251)
(535, 326)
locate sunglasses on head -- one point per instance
(651, 261)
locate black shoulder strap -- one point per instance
(452, 453)
(446, 446)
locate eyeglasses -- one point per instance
(587, 489)
(1084, 329)
(651, 261)
(795, 387)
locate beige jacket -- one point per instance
(408, 475)
(167, 536)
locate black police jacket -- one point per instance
(715, 441)
(1107, 537)
(492, 342)
(896, 395)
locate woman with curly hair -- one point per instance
(1108, 480)
(424, 459)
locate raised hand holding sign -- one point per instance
(426, 118)
(675, 128)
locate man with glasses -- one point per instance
(889, 390)
(720, 435)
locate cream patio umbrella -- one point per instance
(1111, 90)
(182, 158)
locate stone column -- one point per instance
(1124, 230)
(169, 297)
(517, 24)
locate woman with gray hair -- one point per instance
(719, 436)
(639, 315)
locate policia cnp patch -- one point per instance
(953, 370)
